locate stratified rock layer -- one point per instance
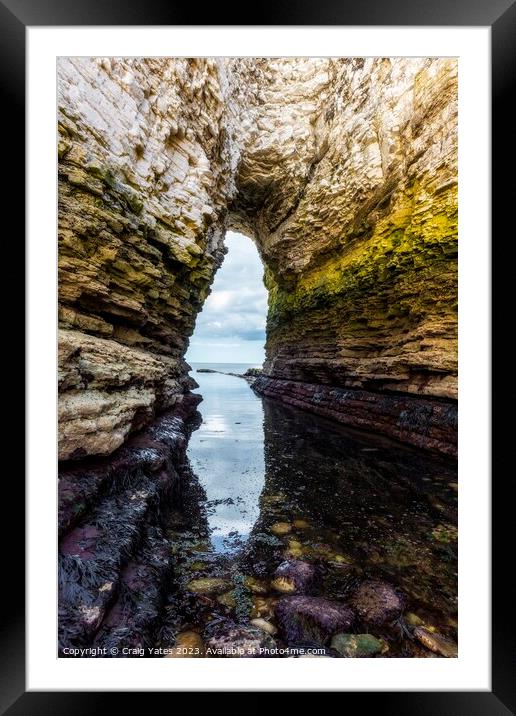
(144, 174)
(425, 423)
(344, 172)
(363, 278)
(114, 553)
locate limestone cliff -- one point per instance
(144, 175)
(344, 172)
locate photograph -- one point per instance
(259, 380)
(258, 357)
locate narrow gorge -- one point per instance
(343, 172)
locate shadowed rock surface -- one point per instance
(312, 619)
(152, 554)
(377, 602)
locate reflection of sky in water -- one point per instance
(226, 453)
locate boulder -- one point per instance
(293, 575)
(240, 642)
(303, 619)
(376, 602)
(436, 642)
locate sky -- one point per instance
(231, 326)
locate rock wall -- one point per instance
(361, 252)
(344, 172)
(420, 421)
(363, 275)
(144, 174)
(115, 557)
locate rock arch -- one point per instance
(344, 172)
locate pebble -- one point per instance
(340, 559)
(281, 528)
(197, 566)
(263, 607)
(293, 552)
(227, 600)
(294, 544)
(284, 585)
(209, 585)
(436, 643)
(264, 626)
(256, 586)
(413, 619)
(293, 575)
(357, 645)
(189, 645)
(301, 524)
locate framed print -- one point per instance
(258, 270)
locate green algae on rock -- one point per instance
(357, 645)
(208, 585)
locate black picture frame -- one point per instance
(500, 15)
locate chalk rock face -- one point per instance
(144, 174)
(109, 389)
(361, 269)
(344, 172)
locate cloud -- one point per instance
(234, 314)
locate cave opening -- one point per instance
(230, 329)
(226, 451)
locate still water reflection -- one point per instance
(226, 453)
(280, 484)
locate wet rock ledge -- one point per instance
(114, 556)
(428, 424)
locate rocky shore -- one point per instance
(139, 575)
(114, 558)
(428, 424)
